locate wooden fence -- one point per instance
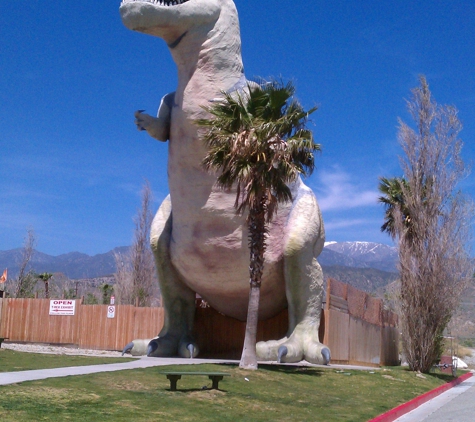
(220, 336)
(354, 326)
(28, 320)
(358, 329)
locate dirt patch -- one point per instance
(59, 350)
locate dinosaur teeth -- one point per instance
(158, 2)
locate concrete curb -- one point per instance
(404, 408)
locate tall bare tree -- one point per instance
(434, 260)
(135, 276)
(26, 279)
(123, 278)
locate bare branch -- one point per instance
(435, 264)
(135, 275)
(26, 280)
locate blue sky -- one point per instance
(72, 163)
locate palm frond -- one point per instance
(257, 141)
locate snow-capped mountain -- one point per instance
(360, 255)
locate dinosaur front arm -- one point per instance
(157, 127)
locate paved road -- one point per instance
(456, 404)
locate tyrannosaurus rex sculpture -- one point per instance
(199, 243)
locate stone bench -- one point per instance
(214, 376)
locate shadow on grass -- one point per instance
(195, 390)
(443, 377)
(286, 369)
(440, 375)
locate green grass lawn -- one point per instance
(273, 393)
(11, 361)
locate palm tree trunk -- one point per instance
(249, 356)
(257, 234)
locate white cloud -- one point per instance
(337, 190)
(341, 224)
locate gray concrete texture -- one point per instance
(456, 404)
(144, 362)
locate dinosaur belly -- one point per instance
(212, 256)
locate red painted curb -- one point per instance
(404, 408)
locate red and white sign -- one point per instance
(112, 300)
(62, 307)
(111, 311)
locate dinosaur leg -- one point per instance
(304, 287)
(175, 338)
(178, 300)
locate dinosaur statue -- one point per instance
(199, 243)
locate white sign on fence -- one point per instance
(111, 311)
(62, 307)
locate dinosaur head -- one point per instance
(203, 37)
(170, 19)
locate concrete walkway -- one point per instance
(456, 404)
(142, 362)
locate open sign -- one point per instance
(62, 307)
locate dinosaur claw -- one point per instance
(282, 352)
(128, 348)
(326, 355)
(191, 349)
(152, 346)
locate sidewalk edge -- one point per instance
(404, 408)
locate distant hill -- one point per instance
(370, 280)
(74, 265)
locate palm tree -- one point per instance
(46, 277)
(106, 290)
(258, 143)
(393, 198)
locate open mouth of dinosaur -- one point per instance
(158, 2)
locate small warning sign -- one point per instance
(111, 311)
(62, 307)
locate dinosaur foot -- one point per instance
(169, 346)
(137, 347)
(294, 349)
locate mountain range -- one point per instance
(360, 255)
(367, 266)
(75, 265)
(365, 260)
